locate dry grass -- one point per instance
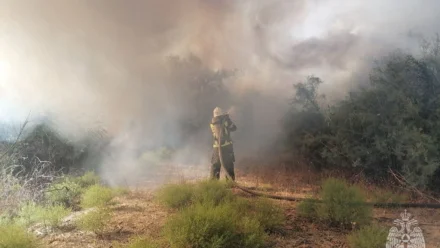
(138, 215)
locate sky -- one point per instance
(104, 62)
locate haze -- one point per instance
(104, 63)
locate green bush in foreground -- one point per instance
(66, 192)
(307, 209)
(368, 237)
(341, 205)
(13, 236)
(213, 226)
(206, 192)
(212, 216)
(94, 221)
(212, 192)
(96, 196)
(176, 195)
(269, 216)
(32, 213)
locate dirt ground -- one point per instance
(133, 214)
(138, 214)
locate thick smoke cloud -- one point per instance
(104, 63)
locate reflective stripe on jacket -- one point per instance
(227, 127)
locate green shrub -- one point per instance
(66, 192)
(52, 215)
(212, 192)
(28, 214)
(6, 219)
(13, 236)
(213, 226)
(96, 196)
(32, 213)
(342, 204)
(206, 192)
(269, 216)
(307, 209)
(368, 237)
(94, 221)
(87, 180)
(176, 195)
(251, 233)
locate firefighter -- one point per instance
(219, 121)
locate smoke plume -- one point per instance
(145, 68)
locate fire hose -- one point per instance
(290, 198)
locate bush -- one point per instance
(28, 214)
(66, 192)
(307, 209)
(52, 215)
(212, 192)
(368, 237)
(268, 215)
(96, 196)
(87, 180)
(176, 195)
(343, 204)
(206, 192)
(49, 216)
(213, 226)
(13, 236)
(94, 221)
(393, 120)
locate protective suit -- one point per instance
(222, 121)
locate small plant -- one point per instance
(87, 180)
(6, 219)
(28, 214)
(368, 237)
(52, 215)
(213, 226)
(32, 213)
(176, 195)
(307, 209)
(94, 221)
(96, 196)
(212, 192)
(269, 215)
(65, 192)
(206, 192)
(14, 236)
(341, 205)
